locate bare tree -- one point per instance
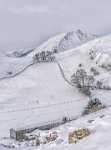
(44, 56)
(82, 81)
(81, 75)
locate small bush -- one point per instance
(106, 87)
(91, 57)
(99, 85)
(92, 54)
(103, 66)
(93, 106)
(9, 73)
(80, 65)
(65, 120)
(106, 67)
(55, 50)
(94, 71)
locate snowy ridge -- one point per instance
(101, 48)
(12, 63)
(65, 41)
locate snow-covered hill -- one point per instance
(96, 53)
(14, 62)
(65, 41)
(101, 62)
(34, 93)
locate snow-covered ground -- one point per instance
(71, 59)
(38, 93)
(99, 138)
(10, 66)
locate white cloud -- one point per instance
(26, 23)
(32, 9)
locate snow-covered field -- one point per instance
(99, 138)
(41, 92)
(38, 93)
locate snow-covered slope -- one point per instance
(70, 61)
(40, 93)
(10, 66)
(99, 138)
(19, 53)
(65, 41)
(99, 49)
(14, 62)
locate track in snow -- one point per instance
(40, 107)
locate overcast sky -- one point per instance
(28, 23)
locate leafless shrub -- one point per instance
(93, 106)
